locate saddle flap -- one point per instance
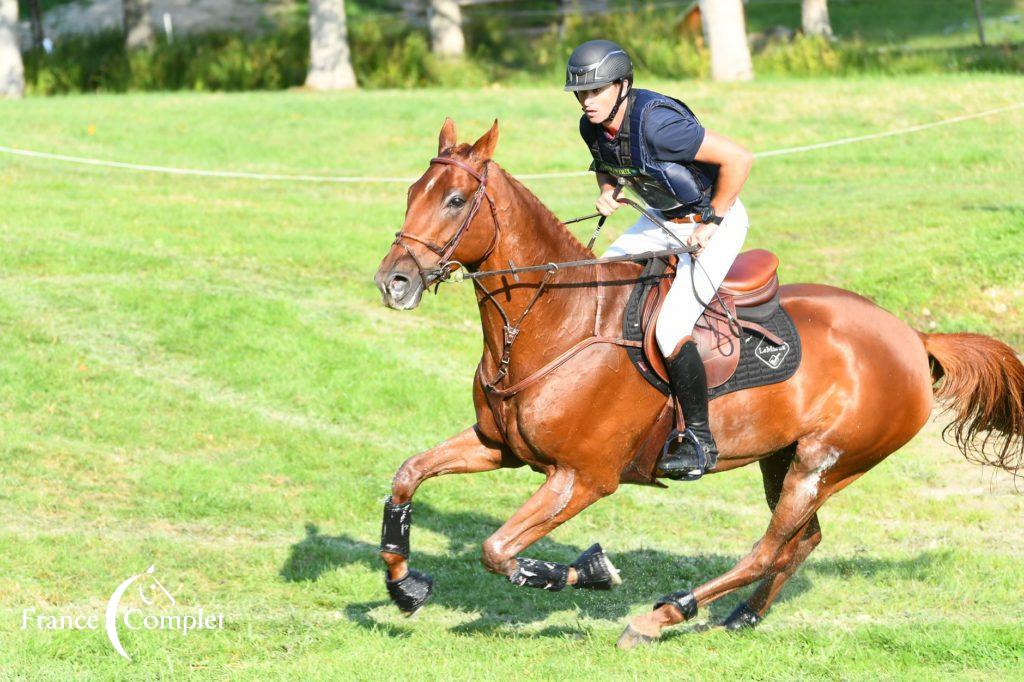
(715, 338)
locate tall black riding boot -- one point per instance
(689, 455)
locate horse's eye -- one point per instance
(456, 202)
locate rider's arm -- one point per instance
(606, 203)
(605, 181)
(733, 161)
(680, 138)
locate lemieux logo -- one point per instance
(771, 354)
(148, 612)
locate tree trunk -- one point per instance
(12, 71)
(35, 15)
(726, 34)
(330, 62)
(981, 21)
(138, 29)
(445, 21)
(814, 18)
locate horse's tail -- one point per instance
(982, 384)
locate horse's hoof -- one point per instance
(631, 638)
(595, 571)
(411, 591)
(742, 618)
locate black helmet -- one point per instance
(596, 63)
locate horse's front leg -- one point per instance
(465, 453)
(563, 495)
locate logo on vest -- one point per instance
(770, 354)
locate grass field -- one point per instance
(197, 373)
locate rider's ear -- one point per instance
(484, 147)
(447, 138)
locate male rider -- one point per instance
(691, 177)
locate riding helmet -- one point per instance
(596, 63)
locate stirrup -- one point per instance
(696, 470)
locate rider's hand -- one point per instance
(607, 203)
(701, 236)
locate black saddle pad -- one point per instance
(762, 362)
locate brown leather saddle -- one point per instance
(750, 293)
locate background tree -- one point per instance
(725, 31)
(445, 21)
(330, 60)
(138, 29)
(981, 21)
(814, 18)
(12, 72)
(35, 15)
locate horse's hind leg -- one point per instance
(464, 453)
(810, 480)
(563, 495)
(749, 613)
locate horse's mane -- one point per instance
(545, 214)
(523, 192)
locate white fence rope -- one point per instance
(171, 170)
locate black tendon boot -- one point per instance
(691, 454)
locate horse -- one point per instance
(865, 386)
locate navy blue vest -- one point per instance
(675, 189)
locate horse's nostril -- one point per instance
(398, 285)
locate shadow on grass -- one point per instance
(462, 584)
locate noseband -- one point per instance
(444, 265)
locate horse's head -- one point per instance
(444, 221)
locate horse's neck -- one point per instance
(531, 235)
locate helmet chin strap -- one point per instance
(619, 99)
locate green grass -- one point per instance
(198, 374)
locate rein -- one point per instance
(444, 271)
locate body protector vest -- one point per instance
(674, 188)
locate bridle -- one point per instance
(442, 271)
(443, 268)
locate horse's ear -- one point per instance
(484, 147)
(447, 138)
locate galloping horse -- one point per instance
(863, 389)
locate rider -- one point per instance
(690, 176)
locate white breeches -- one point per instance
(683, 305)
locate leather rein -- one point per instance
(445, 271)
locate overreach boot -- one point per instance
(689, 455)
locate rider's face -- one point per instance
(598, 103)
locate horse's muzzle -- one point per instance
(400, 288)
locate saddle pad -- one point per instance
(761, 361)
(632, 319)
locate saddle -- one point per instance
(750, 294)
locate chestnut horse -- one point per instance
(863, 389)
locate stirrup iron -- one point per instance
(677, 438)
